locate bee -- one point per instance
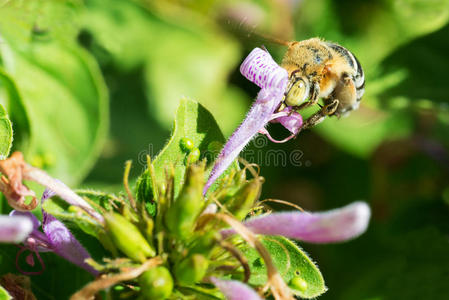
(319, 69)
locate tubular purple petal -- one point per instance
(62, 240)
(65, 244)
(331, 226)
(261, 69)
(14, 229)
(235, 290)
(27, 214)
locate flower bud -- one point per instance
(245, 198)
(127, 238)
(182, 214)
(156, 284)
(298, 283)
(191, 269)
(186, 144)
(194, 155)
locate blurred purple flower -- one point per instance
(14, 229)
(56, 237)
(235, 290)
(331, 226)
(261, 69)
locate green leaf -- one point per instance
(12, 101)
(181, 54)
(291, 261)
(4, 294)
(5, 133)
(67, 107)
(103, 199)
(64, 212)
(193, 122)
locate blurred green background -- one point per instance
(90, 84)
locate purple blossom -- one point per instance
(235, 290)
(290, 119)
(56, 237)
(331, 226)
(14, 229)
(261, 69)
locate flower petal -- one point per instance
(27, 214)
(14, 229)
(293, 121)
(261, 69)
(62, 240)
(331, 226)
(235, 290)
(65, 244)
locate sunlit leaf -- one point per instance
(183, 54)
(4, 294)
(5, 133)
(291, 262)
(11, 100)
(193, 122)
(67, 106)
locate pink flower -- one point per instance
(14, 229)
(331, 226)
(235, 290)
(261, 69)
(56, 237)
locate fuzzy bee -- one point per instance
(319, 69)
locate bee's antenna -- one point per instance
(271, 39)
(243, 30)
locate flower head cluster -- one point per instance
(181, 247)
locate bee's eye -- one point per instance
(298, 93)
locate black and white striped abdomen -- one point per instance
(359, 77)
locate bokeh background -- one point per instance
(90, 84)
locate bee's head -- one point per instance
(298, 90)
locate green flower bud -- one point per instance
(182, 214)
(204, 243)
(148, 226)
(186, 144)
(156, 284)
(127, 238)
(298, 283)
(193, 156)
(245, 198)
(191, 269)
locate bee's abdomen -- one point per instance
(359, 80)
(353, 62)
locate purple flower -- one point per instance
(261, 69)
(14, 229)
(235, 290)
(324, 227)
(56, 237)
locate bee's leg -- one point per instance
(319, 116)
(330, 108)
